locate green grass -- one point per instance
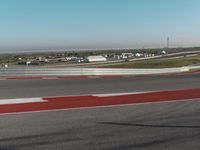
(159, 63)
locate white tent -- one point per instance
(95, 58)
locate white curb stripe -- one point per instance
(93, 77)
(120, 94)
(21, 101)
(50, 78)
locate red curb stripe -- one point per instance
(56, 103)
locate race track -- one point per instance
(85, 86)
(165, 125)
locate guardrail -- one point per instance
(88, 71)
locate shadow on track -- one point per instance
(5, 148)
(36, 140)
(160, 142)
(150, 125)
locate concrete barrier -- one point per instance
(88, 71)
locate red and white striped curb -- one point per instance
(24, 105)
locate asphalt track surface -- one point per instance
(165, 125)
(85, 86)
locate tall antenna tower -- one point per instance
(167, 42)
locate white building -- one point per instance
(95, 58)
(138, 54)
(71, 58)
(126, 55)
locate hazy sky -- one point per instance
(55, 24)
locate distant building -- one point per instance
(126, 55)
(117, 57)
(79, 60)
(4, 65)
(42, 59)
(95, 58)
(71, 58)
(163, 52)
(146, 55)
(138, 54)
(28, 62)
